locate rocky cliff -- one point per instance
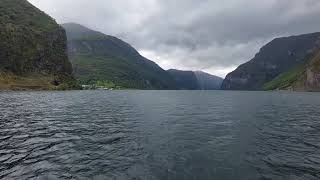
(279, 56)
(33, 49)
(305, 77)
(310, 81)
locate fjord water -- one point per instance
(159, 135)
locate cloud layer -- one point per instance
(211, 35)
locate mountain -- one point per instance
(185, 80)
(189, 80)
(310, 80)
(97, 58)
(33, 49)
(305, 77)
(279, 56)
(207, 81)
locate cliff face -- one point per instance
(277, 57)
(97, 57)
(311, 80)
(303, 78)
(33, 49)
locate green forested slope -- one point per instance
(279, 56)
(33, 52)
(98, 57)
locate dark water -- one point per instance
(159, 135)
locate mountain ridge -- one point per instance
(100, 57)
(276, 57)
(305, 77)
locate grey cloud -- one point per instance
(195, 34)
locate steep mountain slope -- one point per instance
(310, 81)
(189, 80)
(207, 81)
(301, 78)
(33, 49)
(185, 80)
(99, 57)
(277, 57)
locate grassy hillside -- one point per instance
(273, 59)
(10, 81)
(304, 77)
(32, 44)
(97, 57)
(286, 79)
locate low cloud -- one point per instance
(211, 35)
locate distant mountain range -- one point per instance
(34, 55)
(198, 80)
(207, 81)
(281, 64)
(98, 57)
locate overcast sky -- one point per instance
(210, 35)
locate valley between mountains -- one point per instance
(36, 53)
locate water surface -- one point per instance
(159, 135)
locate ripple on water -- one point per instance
(159, 135)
